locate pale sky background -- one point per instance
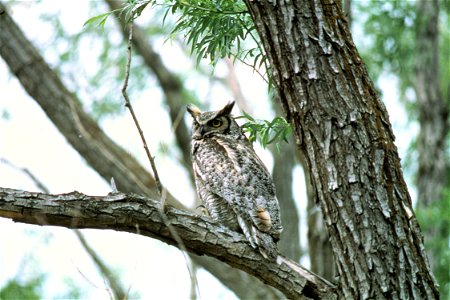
(28, 139)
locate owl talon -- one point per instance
(202, 209)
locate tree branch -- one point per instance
(139, 215)
(100, 152)
(67, 114)
(113, 282)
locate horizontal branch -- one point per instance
(103, 155)
(141, 215)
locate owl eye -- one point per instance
(216, 123)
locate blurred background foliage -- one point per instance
(384, 32)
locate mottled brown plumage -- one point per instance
(231, 180)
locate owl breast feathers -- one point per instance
(232, 182)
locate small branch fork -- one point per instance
(161, 190)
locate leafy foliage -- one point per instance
(29, 290)
(391, 27)
(267, 132)
(214, 29)
(100, 20)
(217, 29)
(436, 217)
(132, 10)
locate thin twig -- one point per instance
(110, 278)
(130, 108)
(162, 191)
(254, 69)
(35, 180)
(112, 282)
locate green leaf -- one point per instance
(269, 132)
(101, 19)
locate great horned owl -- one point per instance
(231, 180)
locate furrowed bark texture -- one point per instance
(140, 215)
(100, 152)
(343, 128)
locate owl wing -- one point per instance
(234, 172)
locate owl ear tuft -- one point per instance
(227, 109)
(193, 110)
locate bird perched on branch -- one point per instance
(232, 182)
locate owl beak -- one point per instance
(202, 130)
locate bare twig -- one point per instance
(254, 69)
(100, 152)
(180, 243)
(116, 288)
(114, 284)
(130, 108)
(35, 180)
(162, 191)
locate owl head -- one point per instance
(210, 123)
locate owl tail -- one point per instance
(259, 240)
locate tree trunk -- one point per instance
(433, 111)
(343, 128)
(347, 8)
(322, 262)
(432, 177)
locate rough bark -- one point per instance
(100, 152)
(433, 111)
(347, 8)
(113, 283)
(140, 215)
(344, 130)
